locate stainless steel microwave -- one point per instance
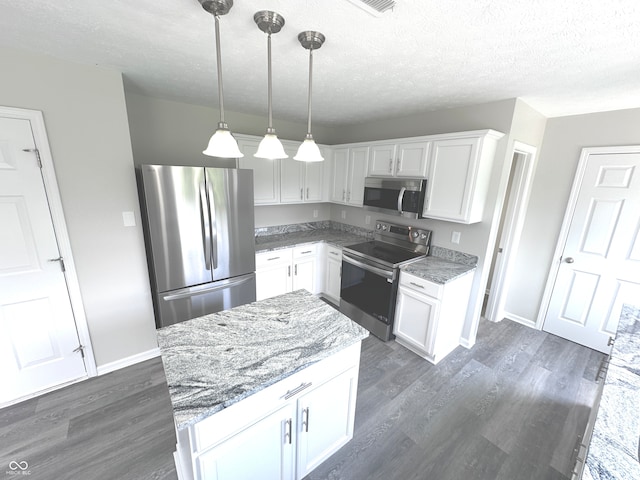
(395, 196)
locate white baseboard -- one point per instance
(518, 319)
(128, 361)
(466, 343)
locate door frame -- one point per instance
(56, 211)
(511, 231)
(568, 218)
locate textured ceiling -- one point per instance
(561, 57)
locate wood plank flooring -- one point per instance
(510, 408)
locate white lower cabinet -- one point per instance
(282, 271)
(333, 272)
(280, 433)
(430, 316)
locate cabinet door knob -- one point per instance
(569, 260)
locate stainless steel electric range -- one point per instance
(370, 274)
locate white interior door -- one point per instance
(38, 335)
(599, 267)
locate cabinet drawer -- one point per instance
(421, 285)
(273, 257)
(305, 250)
(334, 253)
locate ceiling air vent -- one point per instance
(374, 7)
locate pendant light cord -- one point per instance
(270, 126)
(309, 99)
(219, 65)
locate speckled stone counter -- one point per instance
(437, 270)
(613, 451)
(336, 237)
(214, 361)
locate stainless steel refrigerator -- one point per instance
(199, 234)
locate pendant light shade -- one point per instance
(222, 144)
(308, 150)
(270, 147)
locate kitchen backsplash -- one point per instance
(436, 251)
(304, 227)
(453, 255)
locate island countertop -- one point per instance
(214, 361)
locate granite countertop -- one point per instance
(437, 270)
(338, 238)
(614, 447)
(214, 361)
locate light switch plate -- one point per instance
(455, 237)
(128, 219)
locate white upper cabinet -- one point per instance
(266, 173)
(407, 159)
(283, 180)
(349, 171)
(300, 182)
(458, 175)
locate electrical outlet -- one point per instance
(367, 219)
(128, 219)
(455, 237)
(315, 213)
(343, 214)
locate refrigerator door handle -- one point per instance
(214, 228)
(190, 292)
(206, 227)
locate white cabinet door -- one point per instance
(382, 160)
(264, 450)
(451, 178)
(266, 173)
(291, 181)
(325, 420)
(358, 158)
(415, 318)
(340, 172)
(459, 172)
(304, 274)
(333, 273)
(313, 181)
(412, 159)
(273, 273)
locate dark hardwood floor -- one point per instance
(510, 408)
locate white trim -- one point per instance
(521, 320)
(568, 218)
(512, 231)
(59, 224)
(466, 343)
(128, 361)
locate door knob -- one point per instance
(569, 260)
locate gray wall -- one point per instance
(167, 132)
(563, 141)
(86, 121)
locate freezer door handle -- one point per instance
(214, 229)
(206, 227)
(223, 285)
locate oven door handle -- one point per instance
(401, 198)
(388, 274)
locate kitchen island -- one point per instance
(264, 390)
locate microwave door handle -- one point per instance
(214, 227)
(205, 226)
(401, 198)
(366, 266)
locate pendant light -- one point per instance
(308, 150)
(270, 147)
(222, 144)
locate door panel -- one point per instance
(230, 195)
(600, 267)
(37, 328)
(175, 223)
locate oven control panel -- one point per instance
(414, 235)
